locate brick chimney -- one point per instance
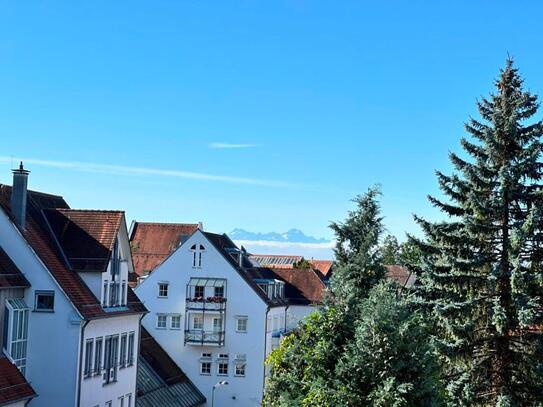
(18, 194)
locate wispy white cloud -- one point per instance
(217, 145)
(144, 171)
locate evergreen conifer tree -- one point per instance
(481, 270)
(390, 250)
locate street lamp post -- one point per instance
(213, 391)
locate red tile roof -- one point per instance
(86, 236)
(288, 261)
(13, 386)
(42, 241)
(10, 275)
(307, 281)
(324, 266)
(400, 275)
(153, 242)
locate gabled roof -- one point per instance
(42, 240)
(13, 386)
(288, 262)
(85, 236)
(400, 275)
(324, 266)
(302, 286)
(160, 381)
(153, 242)
(10, 275)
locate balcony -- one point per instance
(199, 337)
(212, 304)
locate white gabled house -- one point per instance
(73, 330)
(219, 316)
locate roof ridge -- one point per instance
(165, 223)
(88, 210)
(32, 191)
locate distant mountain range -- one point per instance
(291, 236)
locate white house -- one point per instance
(219, 316)
(74, 330)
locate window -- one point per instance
(123, 292)
(217, 324)
(197, 322)
(222, 367)
(205, 368)
(110, 358)
(240, 369)
(121, 401)
(219, 291)
(104, 294)
(88, 357)
(44, 301)
(163, 290)
(205, 364)
(199, 291)
(98, 356)
(130, 360)
(129, 400)
(161, 320)
(16, 331)
(241, 324)
(176, 321)
(112, 294)
(109, 403)
(197, 250)
(122, 356)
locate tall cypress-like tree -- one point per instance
(482, 270)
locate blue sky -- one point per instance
(131, 105)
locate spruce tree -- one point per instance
(481, 270)
(390, 250)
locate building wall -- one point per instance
(53, 338)
(93, 390)
(241, 301)
(297, 313)
(21, 403)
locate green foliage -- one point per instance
(302, 264)
(390, 250)
(481, 270)
(366, 346)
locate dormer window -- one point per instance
(197, 250)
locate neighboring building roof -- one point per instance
(153, 242)
(289, 261)
(13, 386)
(40, 237)
(160, 381)
(302, 286)
(87, 237)
(400, 275)
(10, 275)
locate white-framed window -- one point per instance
(123, 292)
(197, 322)
(89, 344)
(109, 403)
(129, 400)
(121, 401)
(222, 365)
(98, 356)
(205, 364)
(44, 301)
(161, 321)
(130, 360)
(199, 291)
(110, 358)
(175, 321)
(239, 369)
(104, 293)
(197, 250)
(163, 290)
(219, 291)
(15, 335)
(122, 356)
(241, 324)
(217, 324)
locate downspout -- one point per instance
(80, 371)
(265, 347)
(285, 326)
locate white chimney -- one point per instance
(18, 194)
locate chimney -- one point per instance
(18, 194)
(201, 226)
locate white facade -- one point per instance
(242, 302)
(56, 338)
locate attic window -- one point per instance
(44, 301)
(197, 250)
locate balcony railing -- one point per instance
(206, 304)
(199, 337)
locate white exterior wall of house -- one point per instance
(242, 300)
(53, 338)
(297, 313)
(21, 403)
(93, 390)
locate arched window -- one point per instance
(197, 250)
